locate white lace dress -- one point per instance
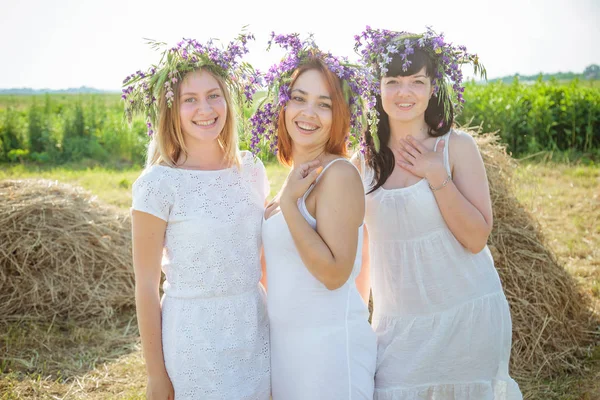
(442, 321)
(215, 329)
(322, 346)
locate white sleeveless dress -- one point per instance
(215, 327)
(322, 346)
(442, 321)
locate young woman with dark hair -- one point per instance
(441, 317)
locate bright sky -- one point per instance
(61, 44)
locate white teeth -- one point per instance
(307, 127)
(404, 104)
(205, 123)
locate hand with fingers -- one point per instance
(299, 180)
(421, 161)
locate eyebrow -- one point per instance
(306, 94)
(193, 93)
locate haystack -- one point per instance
(551, 316)
(62, 253)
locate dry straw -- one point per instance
(551, 317)
(62, 254)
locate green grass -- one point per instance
(111, 185)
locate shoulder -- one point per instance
(247, 158)
(154, 191)
(341, 191)
(156, 177)
(253, 171)
(251, 166)
(154, 173)
(463, 150)
(461, 140)
(342, 176)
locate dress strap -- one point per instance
(446, 138)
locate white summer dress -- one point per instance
(215, 328)
(322, 346)
(442, 321)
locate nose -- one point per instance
(402, 88)
(203, 107)
(308, 110)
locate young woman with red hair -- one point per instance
(322, 346)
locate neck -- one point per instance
(203, 155)
(301, 155)
(417, 128)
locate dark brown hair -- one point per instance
(437, 117)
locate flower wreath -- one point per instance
(278, 79)
(143, 88)
(376, 47)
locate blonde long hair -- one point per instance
(168, 145)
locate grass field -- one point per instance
(60, 360)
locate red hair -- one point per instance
(340, 113)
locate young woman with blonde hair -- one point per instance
(197, 214)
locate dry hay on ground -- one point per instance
(62, 253)
(551, 317)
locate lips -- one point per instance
(405, 106)
(306, 126)
(205, 123)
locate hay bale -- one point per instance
(551, 317)
(62, 253)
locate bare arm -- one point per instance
(148, 242)
(465, 203)
(329, 252)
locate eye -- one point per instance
(213, 96)
(325, 105)
(391, 82)
(298, 99)
(419, 82)
(190, 100)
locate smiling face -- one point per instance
(203, 108)
(308, 114)
(405, 98)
